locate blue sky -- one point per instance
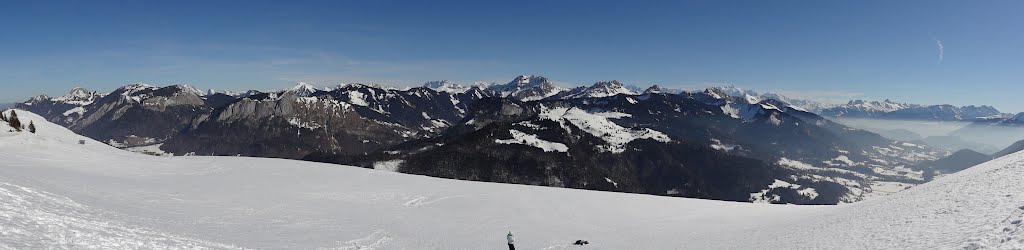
(826, 50)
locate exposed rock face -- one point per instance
(133, 115)
(527, 88)
(654, 90)
(353, 119)
(62, 110)
(140, 114)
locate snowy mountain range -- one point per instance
(64, 109)
(886, 109)
(526, 88)
(62, 190)
(903, 111)
(600, 89)
(710, 144)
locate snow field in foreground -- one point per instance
(56, 193)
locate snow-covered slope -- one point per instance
(57, 193)
(980, 207)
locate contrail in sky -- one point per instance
(941, 49)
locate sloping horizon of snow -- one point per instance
(56, 193)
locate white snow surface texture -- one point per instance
(55, 193)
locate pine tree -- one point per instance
(13, 121)
(31, 127)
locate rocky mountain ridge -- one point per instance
(708, 144)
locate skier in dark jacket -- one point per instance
(511, 240)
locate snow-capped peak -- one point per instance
(78, 96)
(78, 92)
(610, 88)
(599, 89)
(38, 98)
(133, 88)
(445, 86)
(527, 88)
(189, 89)
(732, 90)
(137, 85)
(303, 89)
(876, 106)
(529, 80)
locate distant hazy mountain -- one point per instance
(801, 104)
(446, 86)
(958, 161)
(955, 143)
(1016, 120)
(1015, 147)
(904, 111)
(886, 109)
(1001, 131)
(966, 158)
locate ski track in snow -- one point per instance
(57, 194)
(424, 201)
(37, 219)
(370, 242)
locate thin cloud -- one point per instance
(941, 49)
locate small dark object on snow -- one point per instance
(581, 242)
(82, 142)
